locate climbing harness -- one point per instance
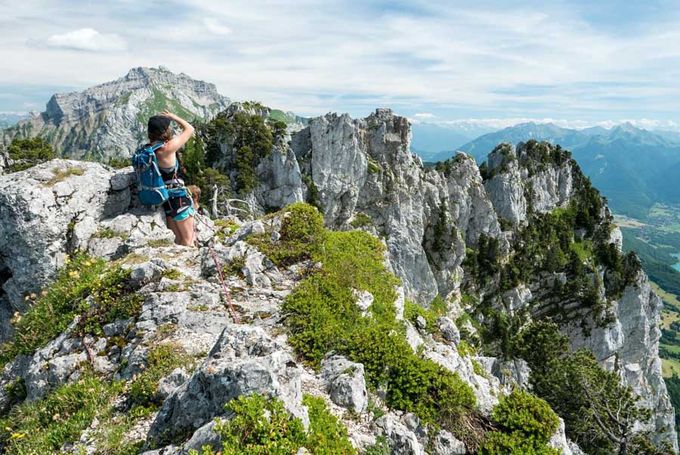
(218, 268)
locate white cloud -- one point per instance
(424, 115)
(216, 27)
(469, 58)
(87, 39)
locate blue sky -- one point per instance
(576, 62)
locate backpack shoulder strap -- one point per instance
(156, 145)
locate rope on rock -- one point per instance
(218, 267)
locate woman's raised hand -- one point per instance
(169, 115)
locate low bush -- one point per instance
(26, 153)
(160, 361)
(436, 309)
(321, 315)
(55, 307)
(43, 426)
(302, 235)
(262, 426)
(525, 423)
(581, 391)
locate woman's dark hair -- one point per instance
(159, 129)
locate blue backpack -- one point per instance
(152, 189)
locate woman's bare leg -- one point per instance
(172, 225)
(185, 231)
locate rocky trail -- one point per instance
(145, 327)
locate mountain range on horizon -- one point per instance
(108, 120)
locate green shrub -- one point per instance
(436, 309)
(380, 447)
(172, 274)
(523, 412)
(118, 162)
(580, 390)
(43, 426)
(465, 349)
(225, 228)
(108, 233)
(361, 220)
(113, 298)
(497, 443)
(326, 436)
(526, 424)
(27, 153)
(302, 234)
(54, 309)
(322, 316)
(373, 166)
(262, 426)
(160, 361)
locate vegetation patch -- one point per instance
(108, 233)
(172, 274)
(526, 423)
(361, 220)
(26, 153)
(436, 310)
(321, 315)
(54, 309)
(301, 237)
(59, 175)
(235, 267)
(583, 393)
(43, 426)
(112, 299)
(373, 166)
(159, 243)
(161, 360)
(225, 228)
(261, 425)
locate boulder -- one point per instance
(402, 441)
(345, 383)
(244, 360)
(447, 444)
(43, 208)
(448, 329)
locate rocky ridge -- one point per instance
(362, 175)
(109, 120)
(182, 308)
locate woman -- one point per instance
(179, 210)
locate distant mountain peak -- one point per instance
(109, 119)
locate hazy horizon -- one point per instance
(487, 59)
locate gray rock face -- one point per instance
(505, 187)
(110, 119)
(49, 210)
(345, 383)
(517, 183)
(366, 166)
(243, 361)
(449, 330)
(446, 444)
(402, 441)
(631, 344)
(280, 178)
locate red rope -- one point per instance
(220, 274)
